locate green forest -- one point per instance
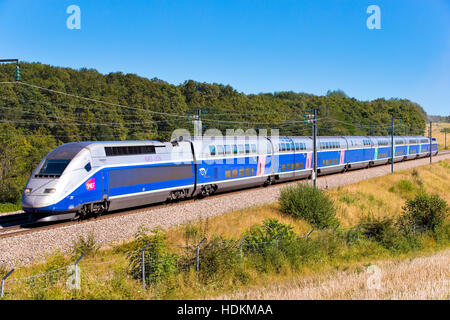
(33, 121)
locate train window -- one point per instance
(227, 149)
(293, 166)
(288, 147)
(247, 171)
(212, 150)
(283, 167)
(241, 172)
(88, 167)
(235, 173)
(220, 150)
(235, 149)
(130, 150)
(241, 148)
(254, 148)
(227, 174)
(253, 171)
(288, 167)
(54, 167)
(247, 148)
(301, 165)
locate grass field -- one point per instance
(105, 276)
(426, 277)
(440, 136)
(381, 196)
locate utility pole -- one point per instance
(198, 123)
(313, 121)
(315, 148)
(445, 135)
(392, 145)
(431, 153)
(17, 73)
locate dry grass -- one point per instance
(418, 278)
(385, 196)
(440, 136)
(234, 224)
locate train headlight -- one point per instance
(50, 190)
(27, 190)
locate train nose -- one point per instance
(36, 201)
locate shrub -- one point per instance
(86, 245)
(159, 263)
(405, 188)
(416, 178)
(308, 203)
(377, 229)
(424, 211)
(268, 233)
(218, 259)
(384, 231)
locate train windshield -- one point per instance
(54, 167)
(58, 159)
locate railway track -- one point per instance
(19, 224)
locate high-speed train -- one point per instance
(82, 179)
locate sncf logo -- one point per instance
(90, 184)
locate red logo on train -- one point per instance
(90, 184)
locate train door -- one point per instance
(105, 185)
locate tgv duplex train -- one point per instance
(80, 179)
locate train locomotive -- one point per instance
(83, 179)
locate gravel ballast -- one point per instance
(24, 249)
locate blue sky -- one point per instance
(255, 46)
